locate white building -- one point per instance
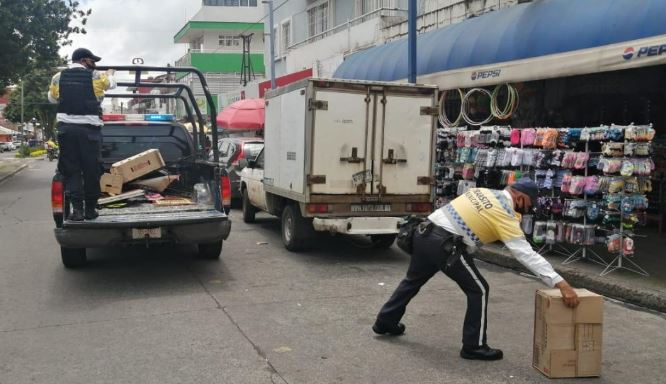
(318, 34)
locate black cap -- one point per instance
(83, 53)
(528, 187)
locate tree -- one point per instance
(32, 33)
(35, 103)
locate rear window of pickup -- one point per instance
(123, 140)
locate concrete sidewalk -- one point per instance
(647, 292)
(10, 166)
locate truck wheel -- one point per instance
(248, 210)
(73, 257)
(382, 241)
(295, 229)
(210, 251)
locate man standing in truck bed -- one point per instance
(79, 91)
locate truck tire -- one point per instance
(249, 211)
(210, 251)
(296, 230)
(382, 241)
(73, 257)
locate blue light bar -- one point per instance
(159, 117)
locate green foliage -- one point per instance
(36, 105)
(32, 33)
(23, 151)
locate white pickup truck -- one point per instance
(345, 157)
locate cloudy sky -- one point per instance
(120, 30)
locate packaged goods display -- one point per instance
(593, 181)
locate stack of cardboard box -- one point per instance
(567, 342)
(130, 169)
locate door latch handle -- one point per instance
(391, 158)
(354, 157)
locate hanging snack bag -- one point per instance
(528, 136)
(515, 137)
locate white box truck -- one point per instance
(341, 156)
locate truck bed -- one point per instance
(148, 215)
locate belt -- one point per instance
(451, 244)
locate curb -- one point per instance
(10, 174)
(626, 293)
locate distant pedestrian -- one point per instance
(477, 217)
(79, 91)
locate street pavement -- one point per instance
(260, 314)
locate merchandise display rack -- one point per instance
(572, 250)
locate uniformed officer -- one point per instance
(479, 216)
(79, 91)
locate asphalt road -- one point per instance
(260, 314)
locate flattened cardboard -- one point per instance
(111, 184)
(568, 342)
(138, 165)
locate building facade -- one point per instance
(215, 45)
(318, 34)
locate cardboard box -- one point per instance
(568, 342)
(138, 165)
(111, 184)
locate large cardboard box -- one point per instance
(111, 184)
(568, 342)
(138, 165)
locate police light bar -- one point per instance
(159, 117)
(138, 117)
(113, 117)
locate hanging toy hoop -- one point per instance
(511, 102)
(465, 103)
(443, 118)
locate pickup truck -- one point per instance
(205, 224)
(341, 156)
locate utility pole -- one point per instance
(22, 103)
(411, 41)
(271, 35)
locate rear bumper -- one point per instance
(195, 233)
(358, 225)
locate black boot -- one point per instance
(91, 212)
(483, 352)
(382, 328)
(77, 211)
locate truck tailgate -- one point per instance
(147, 215)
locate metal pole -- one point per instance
(22, 109)
(271, 35)
(411, 41)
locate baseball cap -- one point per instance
(84, 53)
(528, 187)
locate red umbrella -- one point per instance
(244, 114)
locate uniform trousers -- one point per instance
(430, 255)
(79, 162)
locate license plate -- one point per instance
(146, 233)
(363, 177)
(371, 208)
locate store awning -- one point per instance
(539, 40)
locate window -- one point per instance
(285, 37)
(259, 161)
(230, 3)
(229, 41)
(276, 41)
(318, 19)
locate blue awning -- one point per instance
(544, 28)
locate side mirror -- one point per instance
(252, 163)
(243, 163)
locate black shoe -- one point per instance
(90, 213)
(483, 352)
(393, 329)
(76, 215)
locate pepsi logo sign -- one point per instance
(628, 53)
